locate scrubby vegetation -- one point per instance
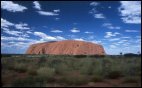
(66, 70)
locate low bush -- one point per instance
(87, 67)
(46, 73)
(62, 69)
(68, 70)
(20, 67)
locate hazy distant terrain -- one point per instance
(81, 70)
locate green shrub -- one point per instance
(98, 68)
(20, 67)
(46, 73)
(62, 69)
(132, 68)
(87, 67)
(42, 60)
(43, 70)
(7, 63)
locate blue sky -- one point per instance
(114, 24)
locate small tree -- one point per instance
(121, 53)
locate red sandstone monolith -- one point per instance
(66, 47)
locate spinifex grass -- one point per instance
(67, 70)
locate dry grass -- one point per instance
(71, 70)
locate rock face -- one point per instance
(66, 47)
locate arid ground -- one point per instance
(70, 71)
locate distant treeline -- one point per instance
(131, 54)
(46, 55)
(77, 56)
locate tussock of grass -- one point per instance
(20, 67)
(71, 70)
(46, 73)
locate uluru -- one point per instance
(66, 47)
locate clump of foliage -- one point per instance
(20, 67)
(46, 73)
(38, 70)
